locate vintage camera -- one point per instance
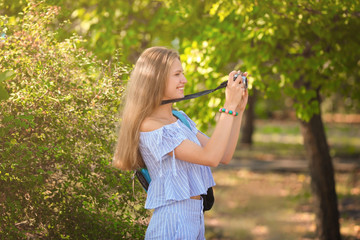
(244, 80)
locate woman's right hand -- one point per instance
(233, 91)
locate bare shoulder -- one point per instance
(150, 124)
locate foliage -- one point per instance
(57, 133)
(12, 7)
(5, 76)
(291, 49)
(128, 25)
(294, 48)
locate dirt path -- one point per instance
(271, 200)
(288, 165)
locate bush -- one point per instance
(57, 134)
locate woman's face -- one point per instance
(175, 82)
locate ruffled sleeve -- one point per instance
(163, 140)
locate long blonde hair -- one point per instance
(144, 94)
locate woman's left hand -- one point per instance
(244, 99)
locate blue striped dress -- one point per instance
(173, 181)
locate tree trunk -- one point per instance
(322, 179)
(247, 128)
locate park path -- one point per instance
(264, 200)
(289, 165)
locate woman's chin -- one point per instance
(181, 93)
(175, 96)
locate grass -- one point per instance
(262, 204)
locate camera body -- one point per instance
(244, 80)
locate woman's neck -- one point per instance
(164, 112)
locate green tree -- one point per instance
(306, 50)
(57, 133)
(108, 25)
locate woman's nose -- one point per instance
(183, 79)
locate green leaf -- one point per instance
(6, 75)
(3, 93)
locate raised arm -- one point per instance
(219, 145)
(235, 131)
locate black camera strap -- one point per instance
(195, 95)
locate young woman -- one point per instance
(178, 158)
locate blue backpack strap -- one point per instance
(181, 117)
(144, 172)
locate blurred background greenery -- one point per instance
(64, 66)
